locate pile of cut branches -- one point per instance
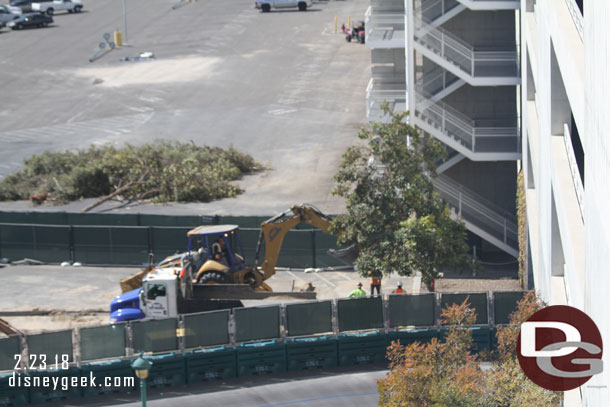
(162, 171)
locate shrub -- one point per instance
(162, 171)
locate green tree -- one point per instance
(397, 221)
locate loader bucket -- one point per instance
(134, 281)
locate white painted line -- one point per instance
(345, 277)
(295, 276)
(324, 279)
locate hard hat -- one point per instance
(359, 284)
(399, 284)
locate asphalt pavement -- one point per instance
(56, 288)
(336, 388)
(280, 86)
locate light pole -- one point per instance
(141, 367)
(125, 21)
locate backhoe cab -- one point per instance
(216, 256)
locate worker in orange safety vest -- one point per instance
(399, 290)
(375, 283)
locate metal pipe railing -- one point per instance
(457, 125)
(462, 54)
(478, 210)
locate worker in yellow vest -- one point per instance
(358, 292)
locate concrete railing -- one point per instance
(383, 25)
(576, 17)
(578, 187)
(378, 93)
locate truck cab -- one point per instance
(157, 298)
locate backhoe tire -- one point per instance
(302, 6)
(212, 278)
(265, 8)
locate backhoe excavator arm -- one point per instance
(274, 230)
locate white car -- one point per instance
(266, 5)
(58, 5)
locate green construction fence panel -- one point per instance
(296, 250)
(505, 303)
(102, 342)
(311, 353)
(69, 385)
(39, 242)
(409, 336)
(163, 220)
(9, 348)
(157, 335)
(481, 337)
(362, 348)
(360, 314)
(210, 364)
(110, 245)
(42, 218)
(206, 329)
(323, 243)
(168, 240)
(11, 392)
(102, 219)
(309, 318)
(412, 310)
(55, 346)
(478, 301)
(242, 221)
(111, 376)
(257, 323)
(261, 358)
(167, 370)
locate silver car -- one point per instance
(7, 14)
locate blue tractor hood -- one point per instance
(126, 314)
(126, 306)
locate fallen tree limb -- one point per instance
(115, 193)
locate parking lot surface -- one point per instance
(280, 86)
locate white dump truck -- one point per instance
(50, 7)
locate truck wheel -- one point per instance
(77, 9)
(302, 6)
(50, 11)
(19, 26)
(212, 278)
(266, 8)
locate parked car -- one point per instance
(24, 5)
(6, 15)
(71, 6)
(30, 20)
(266, 5)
